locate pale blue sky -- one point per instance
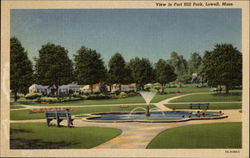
(150, 33)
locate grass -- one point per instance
(80, 137)
(216, 135)
(24, 115)
(187, 90)
(211, 106)
(129, 100)
(213, 97)
(16, 107)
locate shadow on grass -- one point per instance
(35, 143)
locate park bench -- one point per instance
(199, 105)
(59, 116)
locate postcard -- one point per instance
(125, 78)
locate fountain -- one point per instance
(135, 110)
(152, 109)
(147, 96)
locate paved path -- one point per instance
(161, 104)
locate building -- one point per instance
(111, 88)
(35, 88)
(69, 88)
(124, 87)
(72, 87)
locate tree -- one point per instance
(117, 72)
(164, 73)
(53, 66)
(194, 65)
(89, 67)
(21, 73)
(141, 71)
(223, 66)
(180, 65)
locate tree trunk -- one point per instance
(226, 89)
(162, 88)
(120, 87)
(15, 95)
(142, 87)
(91, 88)
(110, 88)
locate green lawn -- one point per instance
(187, 90)
(216, 135)
(77, 137)
(129, 100)
(211, 106)
(24, 115)
(213, 97)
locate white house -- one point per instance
(35, 88)
(70, 87)
(124, 87)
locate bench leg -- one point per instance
(48, 121)
(68, 121)
(58, 122)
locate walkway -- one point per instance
(161, 104)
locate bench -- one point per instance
(199, 105)
(59, 116)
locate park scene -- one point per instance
(89, 79)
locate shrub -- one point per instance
(84, 97)
(132, 94)
(49, 99)
(76, 94)
(33, 95)
(123, 95)
(98, 96)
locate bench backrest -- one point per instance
(59, 114)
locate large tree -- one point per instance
(181, 66)
(117, 73)
(21, 73)
(53, 66)
(89, 67)
(141, 71)
(164, 73)
(223, 66)
(194, 65)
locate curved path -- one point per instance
(161, 104)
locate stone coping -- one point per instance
(98, 115)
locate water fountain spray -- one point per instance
(147, 96)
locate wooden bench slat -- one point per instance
(58, 116)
